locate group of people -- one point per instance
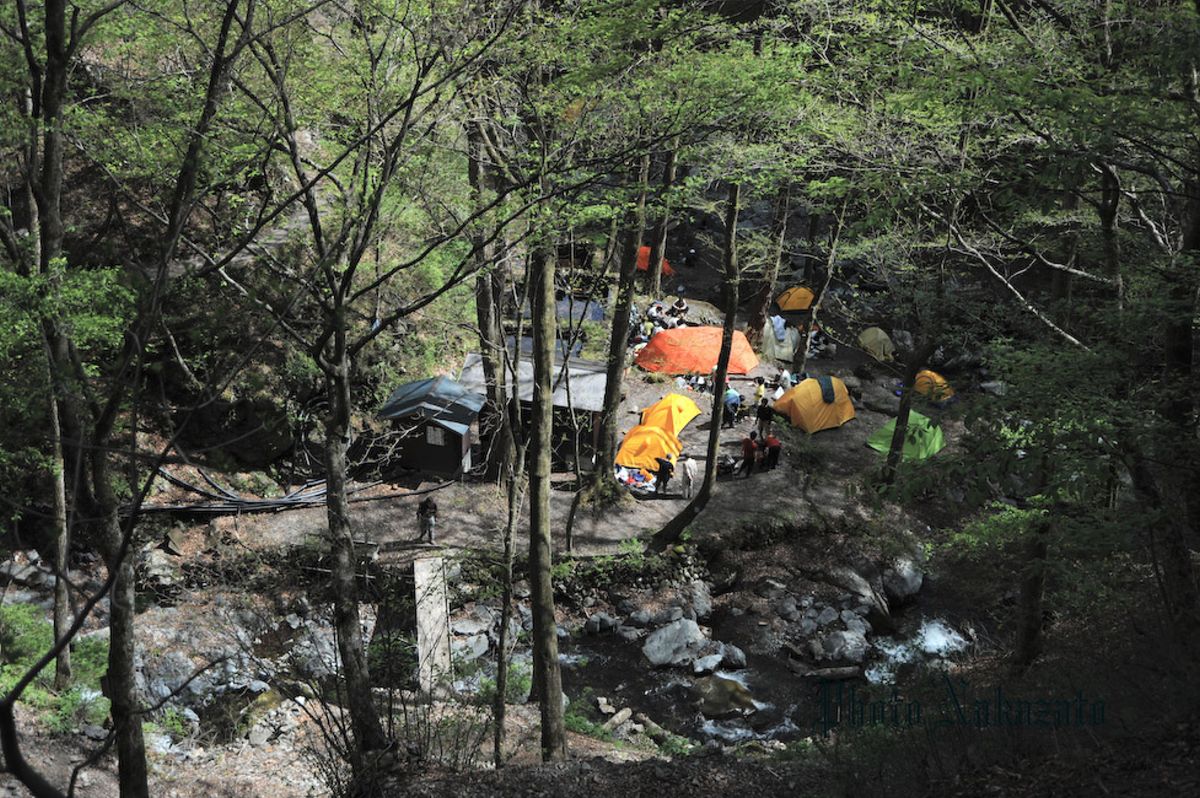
(659, 317)
(761, 452)
(666, 470)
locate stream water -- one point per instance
(785, 706)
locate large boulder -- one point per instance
(677, 644)
(902, 579)
(850, 646)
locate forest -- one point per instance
(672, 397)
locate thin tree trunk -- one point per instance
(515, 495)
(547, 676)
(766, 294)
(62, 536)
(800, 359)
(658, 248)
(118, 683)
(670, 533)
(916, 361)
(619, 337)
(364, 716)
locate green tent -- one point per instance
(923, 438)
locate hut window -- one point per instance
(435, 436)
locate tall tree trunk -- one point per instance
(488, 293)
(619, 335)
(364, 716)
(916, 361)
(658, 249)
(766, 293)
(547, 676)
(670, 533)
(119, 685)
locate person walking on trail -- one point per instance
(760, 389)
(749, 451)
(688, 475)
(774, 448)
(427, 518)
(764, 415)
(663, 475)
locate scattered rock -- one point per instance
(849, 646)
(629, 634)
(640, 619)
(259, 735)
(770, 589)
(732, 657)
(902, 580)
(808, 626)
(675, 644)
(700, 598)
(600, 623)
(668, 615)
(705, 665)
(788, 610)
(470, 648)
(93, 732)
(826, 616)
(616, 720)
(605, 706)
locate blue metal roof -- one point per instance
(438, 399)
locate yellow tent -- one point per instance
(795, 298)
(643, 444)
(671, 413)
(877, 344)
(805, 404)
(933, 385)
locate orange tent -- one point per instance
(694, 350)
(643, 444)
(671, 413)
(809, 411)
(643, 263)
(933, 385)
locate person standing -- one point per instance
(688, 476)
(733, 403)
(663, 475)
(749, 452)
(774, 448)
(427, 518)
(764, 415)
(760, 389)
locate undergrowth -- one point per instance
(25, 634)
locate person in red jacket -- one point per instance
(774, 448)
(749, 451)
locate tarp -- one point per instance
(795, 298)
(806, 408)
(671, 413)
(776, 349)
(643, 444)
(438, 399)
(643, 262)
(922, 438)
(933, 385)
(695, 350)
(877, 344)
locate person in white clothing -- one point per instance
(687, 475)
